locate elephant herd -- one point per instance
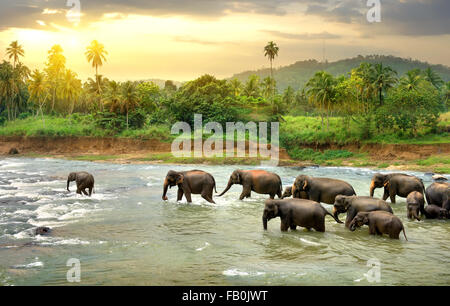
(299, 204)
(304, 208)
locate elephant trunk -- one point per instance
(226, 189)
(293, 191)
(352, 226)
(264, 219)
(336, 215)
(68, 182)
(372, 188)
(166, 185)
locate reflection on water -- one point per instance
(125, 234)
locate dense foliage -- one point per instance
(368, 102)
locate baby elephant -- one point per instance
(287, 193)
(84, 180)
(379, 222)
(435, 212)
(415, 203)
(296, 212)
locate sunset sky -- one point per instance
(180, 40)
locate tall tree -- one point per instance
(54, 70)
(70, 90)
(113, 97)
(321, 91)
(385, 78)
(96, 54)
(130, 97)
(411, 80)
(431, 76)
(39, 90)
(8, 87)
(271, 51)
(14, 51)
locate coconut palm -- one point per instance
(236, 86)
(8, 87)
(385, 78)
(252, 87)
(96, 54)
(321, 91)
(411, 80)
(271, 51)
(431, 76)
(130, 98)
(70, 89)
(14, 51)
(55, 69)
(113, 97)
(39, 90)
(268, 86)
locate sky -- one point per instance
(183, 39)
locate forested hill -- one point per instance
(297, 74)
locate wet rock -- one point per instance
(13, 151)
(15, 200)
(42, 230)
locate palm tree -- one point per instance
(236, 86)
(268, 86)
(321, 91)
(113, 96)
(412, 79)
(96, 54)
(251, 88)
(55, 68)
(385, 78)
(70, 89)
(8, 87)
(432, 77)
(14, 51)
(271, 50)
(130, 97)
(39, 89)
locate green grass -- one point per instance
(95, 157)
(169, 158)
(317, 156)
(434, 160)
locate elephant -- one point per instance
(438, 194)
(379, 222)
(296, 212)
(396, 184)
(354, 204)
(321, 189)
(414, 205)
(190, 182)
(84, 180)
(259, 181)
(287, 193)
(436, 212)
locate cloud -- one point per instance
(302, 36)
(398, 17)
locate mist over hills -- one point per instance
(297, 74)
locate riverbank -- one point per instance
(426, 157)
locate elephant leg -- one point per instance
(385, 194)
(392, 196)
(272, 196)
(208, 196)
(372, 230)
(90, 190)
(246, 192)
(187, 194)
(78, 190)
(394, 236)
(284, 227)
(293, 227)
(84, 191)
(179, 194)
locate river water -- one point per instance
(126, 235)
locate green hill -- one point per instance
(297, 74)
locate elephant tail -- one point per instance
(280, 192)
(404, 233)
(330, 214)
(215, 189)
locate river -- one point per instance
(126, 235)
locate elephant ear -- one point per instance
(180, 179)
(275, 209)
(305, 185)
(386, 184)
(366, 219)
